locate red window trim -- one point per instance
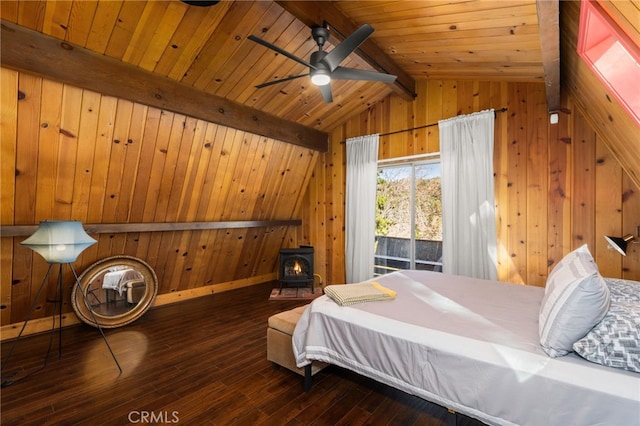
(598, 36)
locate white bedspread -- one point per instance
(469, 345)
(117, 280)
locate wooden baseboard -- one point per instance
(182, 295)
(41, 325)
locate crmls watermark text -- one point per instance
(153, 417)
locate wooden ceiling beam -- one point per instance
(549, 30)
(35, 53)
(314, 13)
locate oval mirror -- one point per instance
(114, 291)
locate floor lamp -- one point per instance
(58, 242)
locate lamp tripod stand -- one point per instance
(59, 300)
(58, 242)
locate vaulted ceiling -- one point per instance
(207, 49)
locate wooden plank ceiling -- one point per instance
(207, 48)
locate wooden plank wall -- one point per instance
(556, 186)
(69, 153)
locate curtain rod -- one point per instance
(427, 125)
(430, 125)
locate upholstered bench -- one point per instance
(279, 349)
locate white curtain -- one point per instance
(362, 169)
(468, 204)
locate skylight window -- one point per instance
(612, 56)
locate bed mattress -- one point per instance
(470, 345)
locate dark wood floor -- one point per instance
(198, 362)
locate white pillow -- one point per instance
(576, 298)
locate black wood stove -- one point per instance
(296, 267)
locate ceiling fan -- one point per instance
(325, 66)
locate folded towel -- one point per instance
(350, 294)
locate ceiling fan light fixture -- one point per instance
(320, 77)
(325, 66)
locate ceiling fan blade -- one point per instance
(326, 93)
(348, 45)
(342, 73)
(282, 80)
(280, 51)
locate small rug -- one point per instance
(295, 293)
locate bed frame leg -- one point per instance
(452, 417)
(308, 379)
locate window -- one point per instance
(612, 56)
(408, 217)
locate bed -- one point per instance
(120, 280)
(470, 345)
(127, 281)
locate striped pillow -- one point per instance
(576, 298)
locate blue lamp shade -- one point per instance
(59, 241)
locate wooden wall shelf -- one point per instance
(114, 228)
